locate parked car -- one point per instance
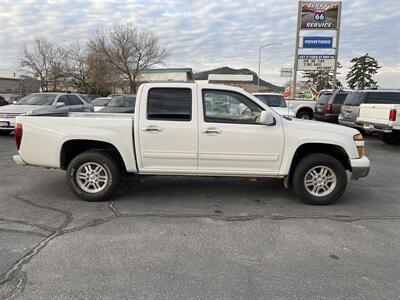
(328, 105)
(351, 107)
(41, 104)
(3, 101)
(382, 117)
(120, 104)
(276, 102)
(303, 109)
(91, 97)
(100, 103)
(192, 129)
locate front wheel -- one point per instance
(93, 176)
(319, 179)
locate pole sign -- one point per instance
(286, 72)
(321, 42)
(316, 62)
(319, 15)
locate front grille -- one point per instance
(8, 115)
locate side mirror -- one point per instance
(60, 104)
(267, 118)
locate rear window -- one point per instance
(339, 98)
(272, 100)
(354, 99)
(324, 98)
(383, 98)
(169, 104)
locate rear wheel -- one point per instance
(304, 114)
(391, 138)
(93, 176)
(319, 179)
(5, 132)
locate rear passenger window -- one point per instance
(169, 104)
(74, 100)
(339, 99)
(383, 98)
(354, 99)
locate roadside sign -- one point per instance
(316, 62)
(321, 42)
(319, 15)
(286, 72)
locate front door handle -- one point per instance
(212, 131)
(152, 129)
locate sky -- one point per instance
(209, 34)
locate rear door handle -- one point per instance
(212, 131)
(152, 129)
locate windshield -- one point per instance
(272, 100)
(122, 102)
(38, 99)
(324, 98)
(101, 101)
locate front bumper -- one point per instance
(359, 167)
(19, 161)
(7, 123)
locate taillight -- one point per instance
(393, 115)
(329, 108)
(18, 134)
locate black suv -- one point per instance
(328, 105)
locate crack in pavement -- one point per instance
(15, 269)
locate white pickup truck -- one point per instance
(381, 118)
(189, 129)
(303, 109)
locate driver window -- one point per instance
(63, 99)
(229, 107)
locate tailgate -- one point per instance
(375, 113)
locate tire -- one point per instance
(5, 132)
(391, 138)
(312, 163)
(304, 114)
(84, 165)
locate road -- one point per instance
(198, 238)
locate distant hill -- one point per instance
(264, 85)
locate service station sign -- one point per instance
(319, 15)
(316, 62)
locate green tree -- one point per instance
(360, 73)
(322, 79)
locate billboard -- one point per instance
(316, 62)
(320, 42)
(319, 15)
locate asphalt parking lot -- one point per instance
(198, 238)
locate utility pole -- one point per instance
(259, 61)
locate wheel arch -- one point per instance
(305, 149)
(305, 109)
(71, 148)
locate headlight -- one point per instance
(359, 140)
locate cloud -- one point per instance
(207, 34)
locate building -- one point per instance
(13, 85)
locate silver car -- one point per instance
(41, 104)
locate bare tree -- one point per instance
(128, 50)
(44, 59)
(77, 67)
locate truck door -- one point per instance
(230, 139)
(168, 129)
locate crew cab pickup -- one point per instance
(381, 118)
(191, 129)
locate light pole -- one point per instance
(259, 61)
